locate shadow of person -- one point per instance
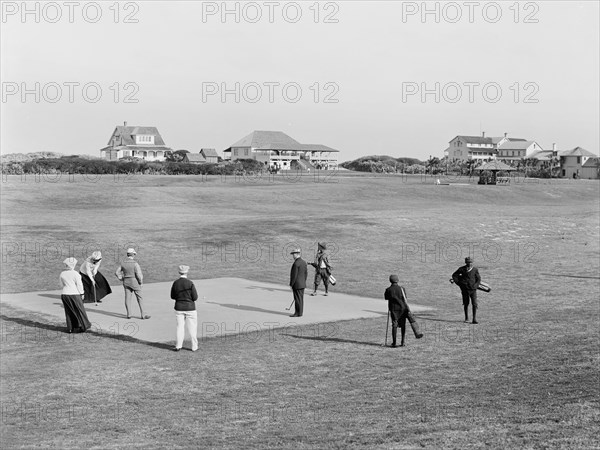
(268, 289)
(57, 296)
(343, 341)
(436, 320)
(376, 312)
(91, 331)
(249, 308)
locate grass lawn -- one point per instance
(525, 377)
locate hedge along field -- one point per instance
(526, 377)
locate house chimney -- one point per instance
(125, 123)
(554, 146)
(505, 134)
(483, 134)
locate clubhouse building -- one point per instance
(277, 150)
(483, 148)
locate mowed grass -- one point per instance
(525, 377)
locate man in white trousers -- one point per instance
(184, 293)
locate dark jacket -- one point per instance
(467, 280)
(298, 274)
(321, 256)
(396, 301)
(184, 293)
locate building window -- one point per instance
(579, 160)
(235, 153)
(245, 152)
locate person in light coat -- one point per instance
(71, 297)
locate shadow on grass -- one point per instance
(249, 308)
(57, 328)
(105, 313)
(50, 296)
(268, 289)
(95, 310)
(343, 341)
(418, 316)
(571, 276)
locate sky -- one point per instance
(365, 78)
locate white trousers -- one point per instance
(189, 320)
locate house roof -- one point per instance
(209, 152)
(194, 157)
(127, 134)
(276, 140)
(494, 165)
(516, 145)
(577, 151)
(475, 139)
(152, 148)
(592, 162)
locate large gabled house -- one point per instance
(277, 150)
(463, 148)
(137, 142)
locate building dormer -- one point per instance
(144, 139)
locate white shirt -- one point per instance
(71, 283)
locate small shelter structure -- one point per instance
(488, 173)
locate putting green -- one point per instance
(226, 306)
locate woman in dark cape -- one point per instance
(95, 285)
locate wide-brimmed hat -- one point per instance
(70, 262)
(183, 269)
(97, 256)
(468, 259)
(131, 251)
(394, 279)
(322, 245)
(296, 250)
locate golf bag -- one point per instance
(482, 286)
(414, 325)
(411, 319)
(332, 280)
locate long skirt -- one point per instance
(77, 319)
(102, 287)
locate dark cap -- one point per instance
(394, 278)
(468, 259)
(323, 245)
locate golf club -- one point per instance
(288, 308)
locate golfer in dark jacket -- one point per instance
(467, 279)
(298, 276)
(184, 293)
(398, 309)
